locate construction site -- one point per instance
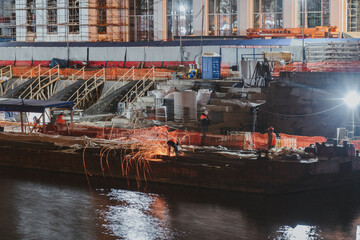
(107, 84)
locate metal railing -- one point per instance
(23, 78)
(123, 78)
(74, 77)
(140, 88)
(43, 81)
(6, 72)
(87, 87)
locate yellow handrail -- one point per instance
(38, 81)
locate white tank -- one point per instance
(185, 106)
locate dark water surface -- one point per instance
(43, 205)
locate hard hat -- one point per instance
(271, 128)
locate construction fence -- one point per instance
(110, 73)
(160, 135)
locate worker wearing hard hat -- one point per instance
(173, 145)
(205, 121)
(271, 138)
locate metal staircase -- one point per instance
(15, 86)
(140, 88)
(42, 88)
(89, 92)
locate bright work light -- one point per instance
(352, 99)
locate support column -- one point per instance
(20, 12)
(113, 19)
(199, 13)
(160, 20)
(206, 18)
(290, 13)
(338, 14)
(93, 35)
(41, 21)
(245, 15)
(62, 20)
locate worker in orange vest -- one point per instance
(174, 145)
(205, 121)
(271, 138)
(60, 119)
(36, 120)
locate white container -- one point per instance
(185, 107)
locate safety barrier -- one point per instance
(241, 140)
(110, 73)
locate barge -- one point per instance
(211, 167)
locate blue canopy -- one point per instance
(29, 105)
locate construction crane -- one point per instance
(317, 32)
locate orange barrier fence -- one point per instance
(110, 73)
(243, 141)
(259, 140)
(356, 144)
(300, 141)
(159, 135)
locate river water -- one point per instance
(43, 205)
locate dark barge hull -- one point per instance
(206, 170)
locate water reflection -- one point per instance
(300, 232)
(43, 210)
(136, 215)
(38, 205)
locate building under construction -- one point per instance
(148, 20)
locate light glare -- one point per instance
(352, 99)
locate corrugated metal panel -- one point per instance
(191, 52)
(24, 53)
(7, 54)
(228, 55)
(135, 54)
(47, 53)
(115, 54)
(78, 54)
(215, 49)
(97, 54)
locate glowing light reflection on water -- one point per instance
(300, 232)
(136, 215)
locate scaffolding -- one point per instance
(353, 15)
(76, 20)
(333, 51)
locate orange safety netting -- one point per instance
(301, 141)
(110, 73)
(260, 140)
(160, 135)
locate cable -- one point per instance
(302, 115)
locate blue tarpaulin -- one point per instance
(29, 105)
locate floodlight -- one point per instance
(352, 99)
(182, 8)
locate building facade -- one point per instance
(148, 20)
